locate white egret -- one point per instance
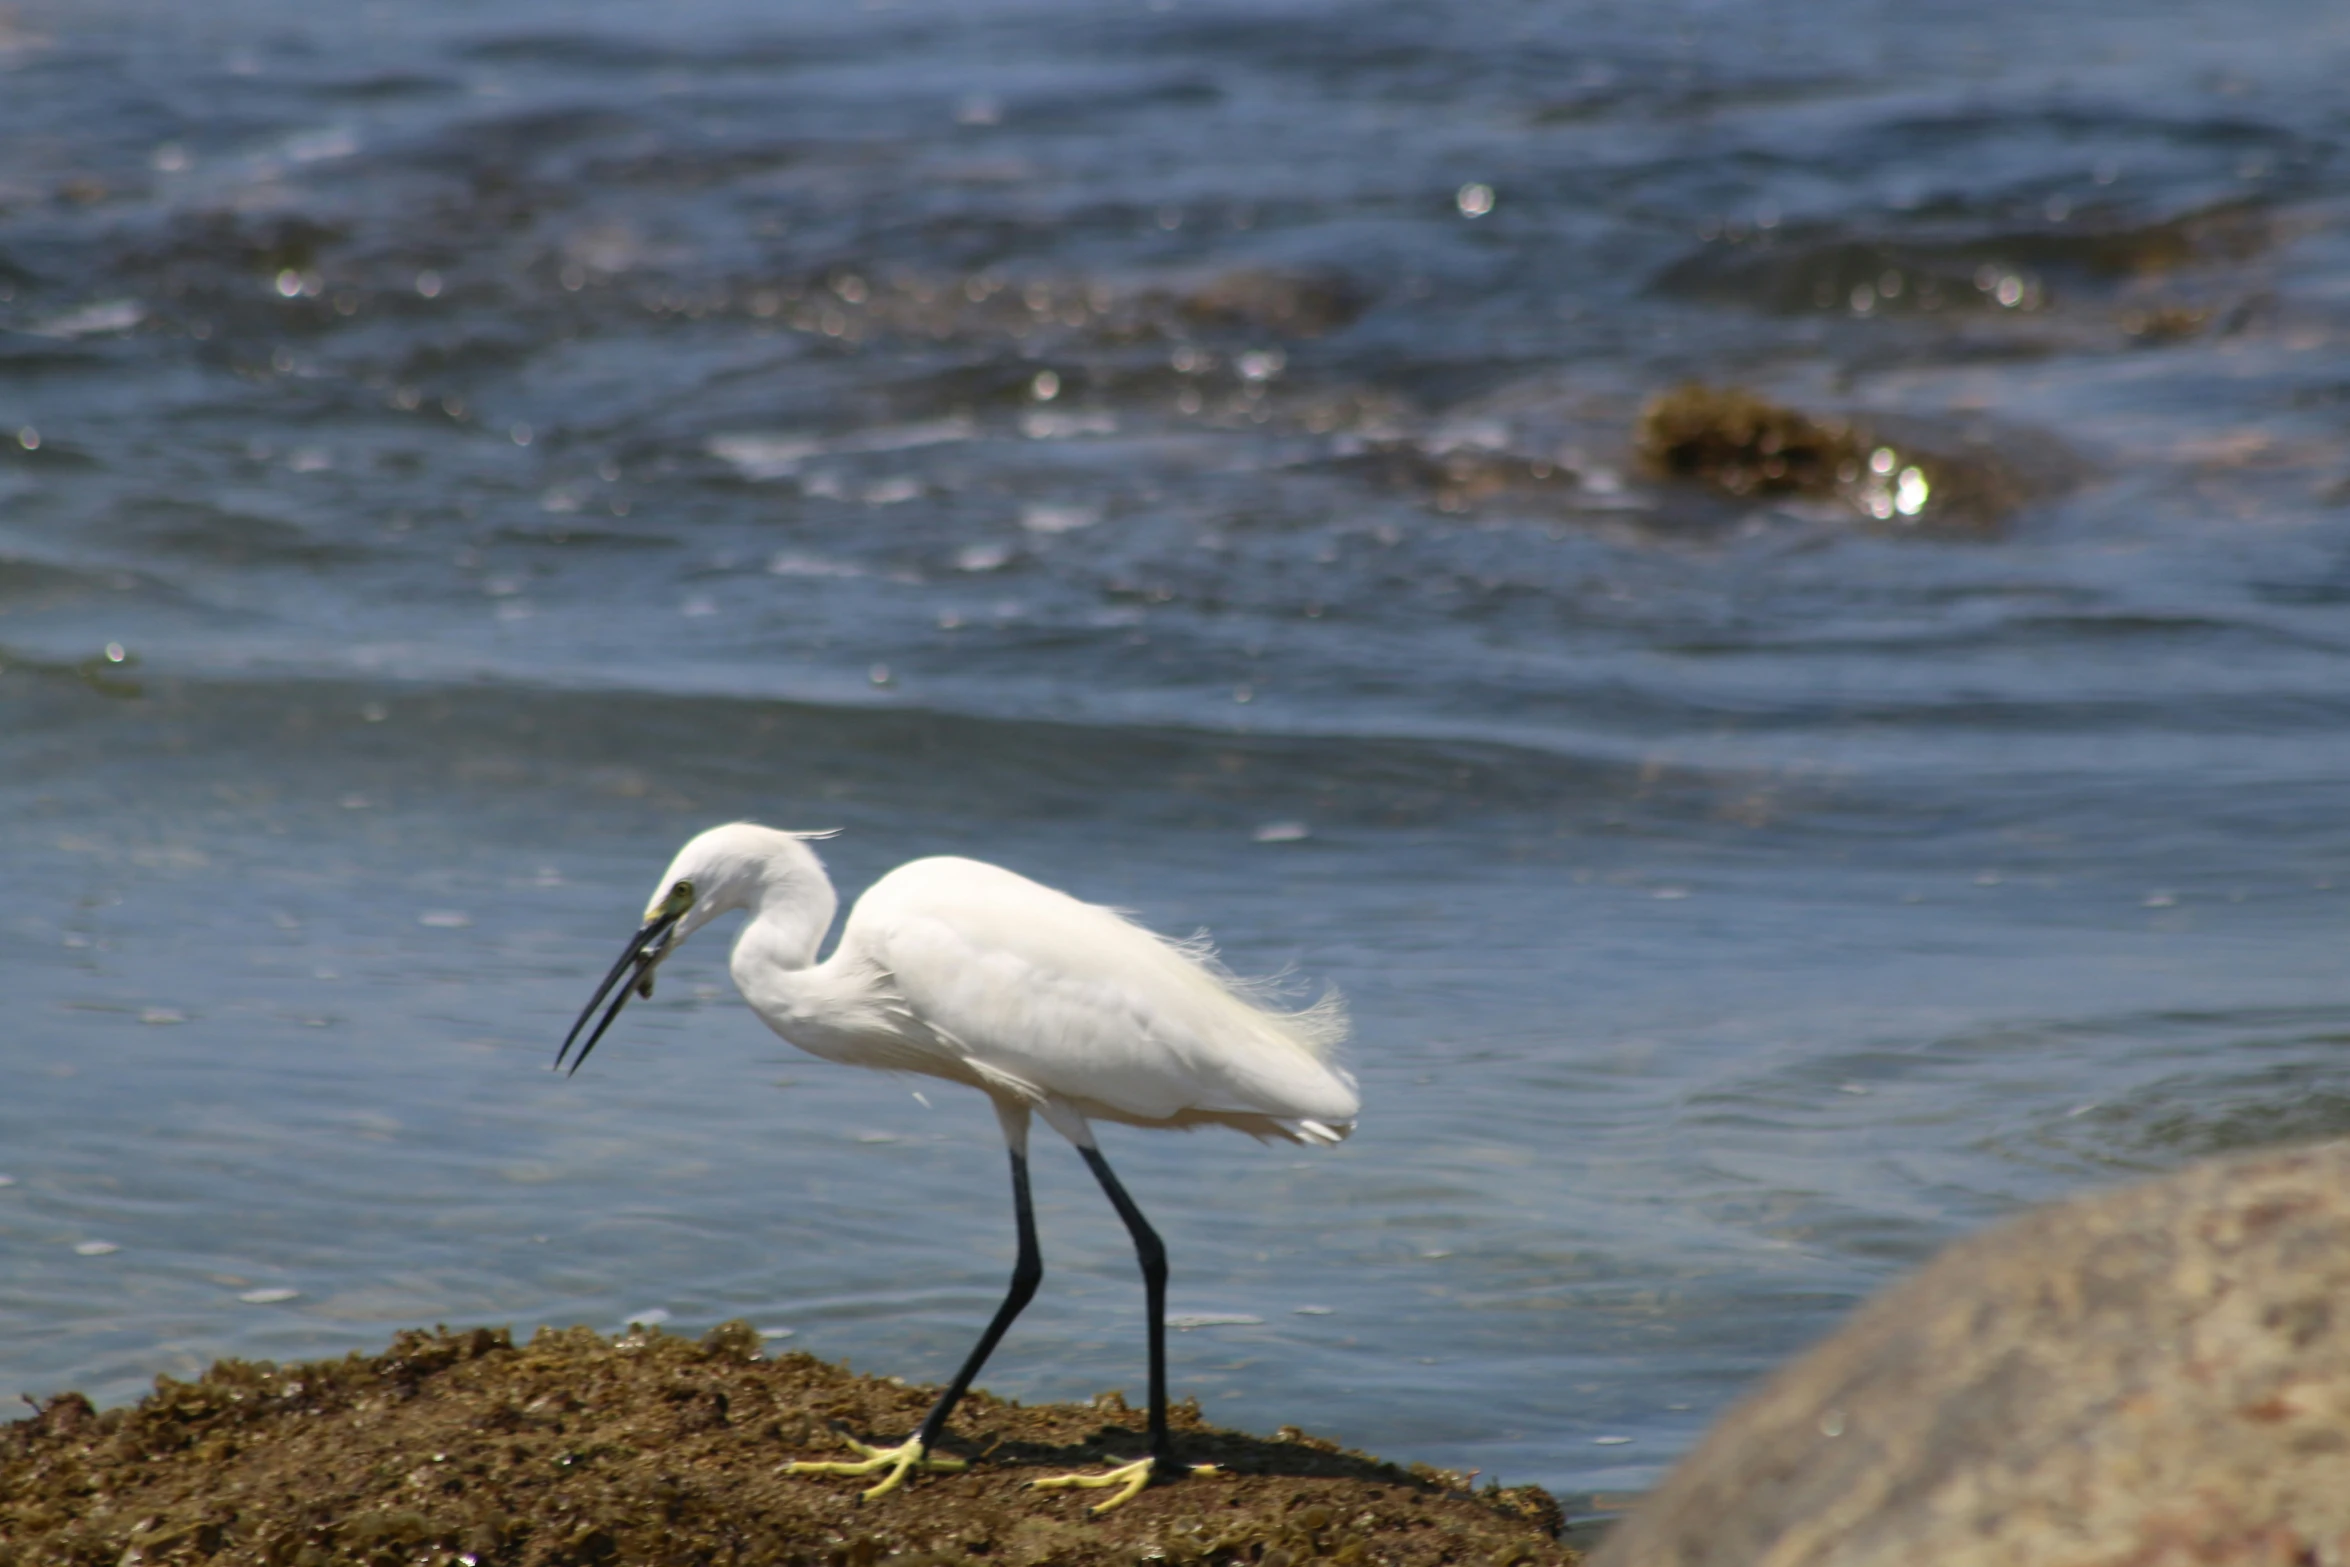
(1047, 1005)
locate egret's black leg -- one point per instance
(893, 1463)
(1027, 1273)
(1129, 1479)
(1153, 1256)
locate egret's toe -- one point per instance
(1128, 1478)
(900, 1461)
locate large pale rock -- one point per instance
(2151, 1377)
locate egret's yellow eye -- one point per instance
(673, 903)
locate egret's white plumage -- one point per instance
(966, 971)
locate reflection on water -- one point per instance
(1197, 457)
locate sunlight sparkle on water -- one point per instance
(1262, 364)
(1910, 491)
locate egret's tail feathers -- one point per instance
(1317, 1029)
(1265, 1128)
(1320, 1028)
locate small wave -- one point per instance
(762, 458)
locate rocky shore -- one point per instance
(465, 1450)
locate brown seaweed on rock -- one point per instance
(1747, 447)
(1742, 444)
(581, 1451)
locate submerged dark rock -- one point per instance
(1288, 304)
(2154, 1375)
(1999, 270)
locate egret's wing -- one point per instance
(1034, 987)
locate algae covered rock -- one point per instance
(1745, 446)
(578, 1450)
(2151, 1376)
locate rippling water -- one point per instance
(449, 454)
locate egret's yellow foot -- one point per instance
(1129, 1478)
(900, 1461)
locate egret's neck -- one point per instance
(774, 966)
(789, 918)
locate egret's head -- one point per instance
(738, 866)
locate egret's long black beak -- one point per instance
(633, 972)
